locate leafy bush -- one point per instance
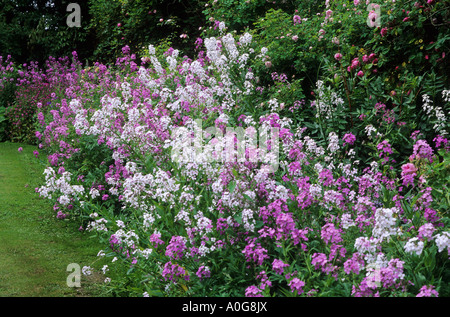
(324, 223)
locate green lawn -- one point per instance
(35, 246)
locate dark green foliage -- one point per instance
(35, 30)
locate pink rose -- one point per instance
(338, 56)
(408, 168)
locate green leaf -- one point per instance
(231, 186)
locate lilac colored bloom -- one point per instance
(253, 291)
(296, 285)
(428, 291)
(254, 252)
(176, 247)
(61, 215)
(155, 239)
(174, 271)
(355, 264)
(426, 231)
(422, 150)
(349, 138)
(330, 234)
(262, 276)
(126, 50)
(203, 272)
(440, 141)
(319, 260)
(20, 149)
(297, 19)
(278, 266)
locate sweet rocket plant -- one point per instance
(209, 222)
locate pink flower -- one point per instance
(355, 63)
(20, 149)
(297, 19)
(427, 290)
(349, 138)
(383, 31)
(296, 285)
(408, 168)
(338, 56)
(119, 25)
(360, 73)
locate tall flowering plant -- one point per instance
(213, 223)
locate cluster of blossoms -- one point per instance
(210, 215)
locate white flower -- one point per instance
(442, 241)
(385, 221)
(86, 270)
(347, 221)
(414, 245)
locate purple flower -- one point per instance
(173, 271)
(126, 50)
(296, 285)
(20, 149)
(61, 215)
(427, 291)
(278, 266)
(253, 291)
(297, 19)
(155, 239)
(355, 264)
(349, 138)
(254, 252)
(330, 234)
(203, 272)
(422, 150)
(176, 247)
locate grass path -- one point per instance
(35, 247)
